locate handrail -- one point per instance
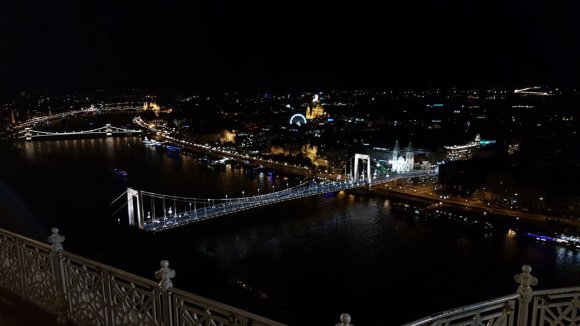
(557, 291)
(568, 294)
(101, 266)
(25, 239)
(226, 307)
(89, 292)
(468, 308)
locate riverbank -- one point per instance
(469, 205)
(199, 148)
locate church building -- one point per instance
(402, 161)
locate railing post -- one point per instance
(526, 280)
(56, 241)
(165, 274)
(344, 320)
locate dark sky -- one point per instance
(286, 44)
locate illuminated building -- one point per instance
(310, 151)
(402, 163)
(151, 106)
(155, 108)
(316, 110)
(462, 152)
(228, 136)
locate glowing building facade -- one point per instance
(463, 152)
(315, 110)
(151, 106)
(402, 163)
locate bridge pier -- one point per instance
(108, 129)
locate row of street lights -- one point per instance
(174, 215)
(170, 213)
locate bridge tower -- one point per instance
(363, 157)
(108, 129)
(134, 202)
(28, 133)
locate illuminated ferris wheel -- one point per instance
(298, 119)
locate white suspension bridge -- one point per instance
(108, 130)
(157, 212)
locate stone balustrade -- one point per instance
(87, 292)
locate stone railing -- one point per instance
(87, 292)
(555, 307)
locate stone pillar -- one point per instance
(165, 274)
(526, 280)
(344, 320)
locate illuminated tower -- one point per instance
(396, 150)
(316, 110)
(410, 157)
(12, 117)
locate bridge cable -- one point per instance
(124, 192)
(125, 204)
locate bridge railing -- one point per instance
(206, 209)
(87, 292)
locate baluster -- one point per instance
(108, 289)
(344, 320)
(165, 274)
(56, 241)
(525, 280)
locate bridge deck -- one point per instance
(29, 133)
(210, 209)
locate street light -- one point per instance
(258, 191)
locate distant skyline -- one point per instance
(286, 45)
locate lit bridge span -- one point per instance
(48, 118)
(157, 212)
(29, 133)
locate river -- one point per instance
(302, 262)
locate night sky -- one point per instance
(286, 44)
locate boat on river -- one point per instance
(560, 239)
(151, 142)
(173, 148)
(121, 173)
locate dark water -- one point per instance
(302, 262)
